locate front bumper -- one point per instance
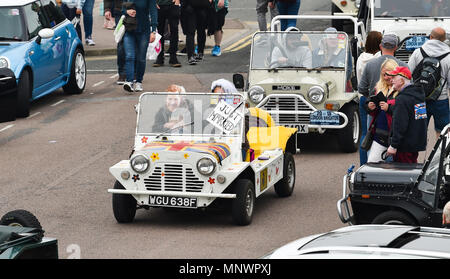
(293, 110)
(172, 194)
(343, 207)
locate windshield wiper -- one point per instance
(324, 68)
(174, 128)
(9, 39)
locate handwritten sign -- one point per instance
(224, 117)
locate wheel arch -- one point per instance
(75, 46)
(371, 211)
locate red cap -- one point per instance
(401, 71)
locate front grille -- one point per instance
(173, 177)
(379, 188)
(288, 104)
(401, 53)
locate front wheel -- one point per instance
(20, 218)
(77, 79)
(348, 137)
(243, 205)
(124, 205)
(285, 186)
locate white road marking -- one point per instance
(57, 103)
(7, 127)
(98, 83)
(114, 76)
(34, 114)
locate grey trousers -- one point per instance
(261, 11)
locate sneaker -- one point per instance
(198, 57)
(174, 62)
(90, 42)
(128, 86)
(121, 80)
(138, 87)
(216, 51)
(192, 61)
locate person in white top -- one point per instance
(293, 53)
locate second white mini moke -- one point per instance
(193, 148)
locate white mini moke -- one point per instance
(193, 148)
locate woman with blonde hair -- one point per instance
(380, 107)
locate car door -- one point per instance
(39, 54)
(56, 21)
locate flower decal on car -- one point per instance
(154, 157)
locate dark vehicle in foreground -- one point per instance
(395, 193)
(370, 242)
(22, 237)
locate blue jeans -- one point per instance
(135, 44)
(439, 110)
(288, 9)
(363, 116)
(87, 17)
(120, 51)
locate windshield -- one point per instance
(412, 8)
(190, 114)
(298, 50)
(11, 24)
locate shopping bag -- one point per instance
(120, 30)
(154, 48)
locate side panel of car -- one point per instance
(268, 170)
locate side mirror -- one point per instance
(45, 33)
(238, 81)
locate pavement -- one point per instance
(235, 34)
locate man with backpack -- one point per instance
(430, 66)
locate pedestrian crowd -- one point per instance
(397, 101)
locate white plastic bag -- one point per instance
(120, 30)
(154, 48)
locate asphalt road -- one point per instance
(55, 163)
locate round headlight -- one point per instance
(206, 166)
(4, 63)
(139, 163)
(256, 94)
(315, 94)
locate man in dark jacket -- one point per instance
(409, 126)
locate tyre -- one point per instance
(242, 206)
(394, 218)
(20, 218)
(24, 89)
(77, 79)
(285, 186)
(124, 205)
(349, 136)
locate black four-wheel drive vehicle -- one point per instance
(396, 193)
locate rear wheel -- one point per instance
(77, 79)
(348, 137)
(124, 205)
(24, 89)
(394, 217)
(242, 206)
(285, 186)
(20, 218)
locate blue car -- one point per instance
(41, 50)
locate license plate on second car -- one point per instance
(301, 128)
(180, 202)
